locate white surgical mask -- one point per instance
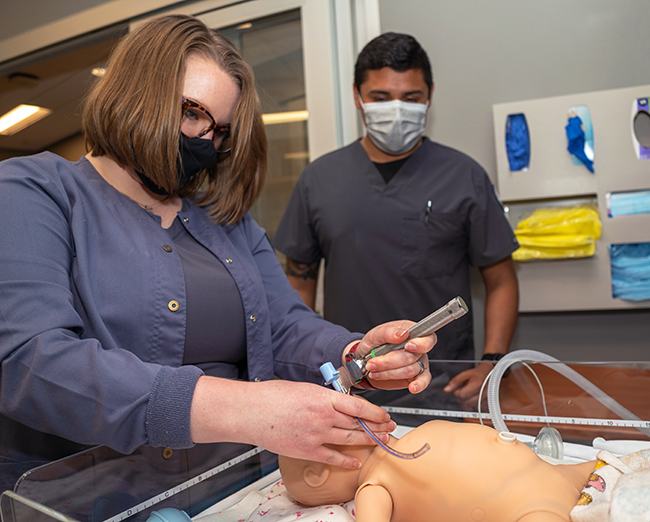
(395, 126)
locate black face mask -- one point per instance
(195, 155)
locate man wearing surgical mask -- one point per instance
(399, 220)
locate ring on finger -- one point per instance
(421, 368)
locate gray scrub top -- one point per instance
(387, 259)
(217, 347)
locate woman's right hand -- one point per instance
(289, 418)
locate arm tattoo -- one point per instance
(302, 270)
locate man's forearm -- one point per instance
(303, 277)
(501, 306)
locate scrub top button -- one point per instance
(253, 318)
(173, 306)
(168, 453)
(257, 379)
(228, 260)
(186, 220)
(167, 248)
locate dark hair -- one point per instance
(133, 114)
(400, 52)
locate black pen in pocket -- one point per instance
(427, 212)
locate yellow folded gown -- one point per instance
(558, 233)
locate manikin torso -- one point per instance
(470, 474)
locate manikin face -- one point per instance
(207, 85)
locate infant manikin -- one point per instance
(471, 473)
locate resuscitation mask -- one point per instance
(395, 126)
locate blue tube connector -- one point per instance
(331, 376)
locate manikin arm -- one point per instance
(373, 504)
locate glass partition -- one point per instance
(592, 405)
(103, 485)
(16, 508)
(583, 400)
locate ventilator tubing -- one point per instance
(551, 362)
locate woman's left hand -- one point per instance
(408, 368)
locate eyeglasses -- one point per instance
(197, 122)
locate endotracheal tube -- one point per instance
(392, 451)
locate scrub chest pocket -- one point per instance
(432, 247)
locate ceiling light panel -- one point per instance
(21, 117)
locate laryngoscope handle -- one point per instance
(444, 315)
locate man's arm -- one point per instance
(501, 308)
(501, 305)
(303, 277)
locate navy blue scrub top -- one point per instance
(387, 258)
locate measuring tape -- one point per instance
(185, 485)
(523, 418)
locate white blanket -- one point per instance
(272, 503)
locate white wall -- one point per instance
(486, 52)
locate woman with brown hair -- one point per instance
(140, 304)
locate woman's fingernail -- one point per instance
(400, 332)
(392, 425)
(371, 366)
(415, 388)
(411, 346)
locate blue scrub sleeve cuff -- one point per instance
(168, 412)
(334, 349)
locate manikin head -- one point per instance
(316, 483)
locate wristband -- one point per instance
(492, 356)
(495, 357)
